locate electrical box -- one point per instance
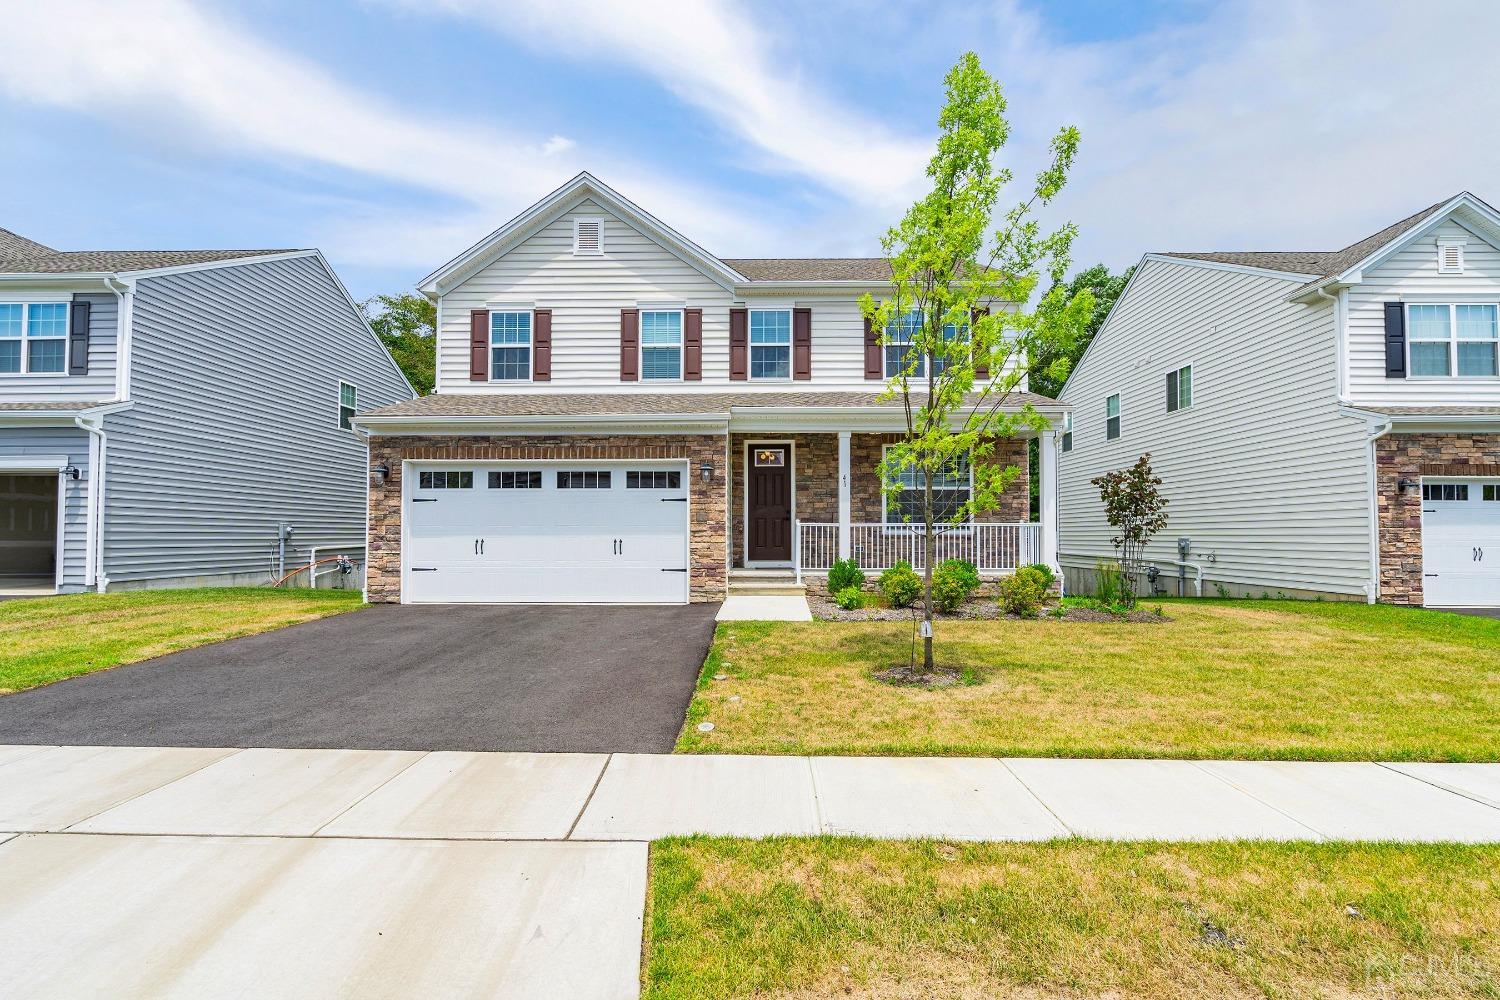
(1184, 546)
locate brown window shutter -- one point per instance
(802, 343)
(739, 344)
(980, 370)
(630, 345)
(78, 339)
(479, 345)
(874, 362)
(692, 345)
(541, 345)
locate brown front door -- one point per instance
(769, 490)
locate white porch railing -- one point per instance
(992, 548)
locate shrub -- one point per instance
(1046, 571)
(845, 574)
(850, 598)
(901, 585)
(952, 583)
(1112, 587)
(1022, 592)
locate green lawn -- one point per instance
(50, 638)
(1239, 679)
(803, 919)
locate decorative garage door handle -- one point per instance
(665, 570)
(424, 499)
(424, 569)
(1479, 555)
(674, 499)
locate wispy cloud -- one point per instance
(202, 81)
(713, 55)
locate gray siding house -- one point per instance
(174, 418)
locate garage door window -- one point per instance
(521, 480)
(656, 479)
(1492, 493)
(445, 480)
(590, 480)
(1453, 492)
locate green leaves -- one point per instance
(405, 324)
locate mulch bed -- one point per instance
(984, 608)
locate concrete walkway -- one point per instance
(763, 608)
(389, 873)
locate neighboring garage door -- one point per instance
(1461, 543)
(547, 533)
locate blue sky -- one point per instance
(393, 133)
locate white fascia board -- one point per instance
(612, 423)
(558, 203)
(73, 281)
(211, 265)
(39, 418)
(1444, 422)
(27, 463)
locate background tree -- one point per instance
(407, 325)
(1106, 289)
(947, 268)
(1135, 508)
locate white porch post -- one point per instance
(1047, 497)
(844, 494)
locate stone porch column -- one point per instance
(844, 505)
(1047, 498)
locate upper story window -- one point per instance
(510, 346)
(348, 404)
(1444, 340)
(33, 337)
(951, 490)
(588, 236)
(1180, 389)
(1112, 417)
(901, 353)
(1067, 431)
(661, 344)
(770, 343)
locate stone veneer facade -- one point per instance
(1412, 456)
(816, 480)
(708, 572)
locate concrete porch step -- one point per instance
(765, 583)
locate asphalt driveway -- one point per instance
(582, 679)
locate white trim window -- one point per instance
(770, 344)
(900, 332)
(33, 338)
(1180, 389)
(1443, 340)
(348, 404)
(661, 345)
(510, 345)
(1112, 417)
(952, 488)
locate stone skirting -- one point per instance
(816, 477)
(1412, 456)
(708, 572)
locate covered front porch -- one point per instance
(800, 501)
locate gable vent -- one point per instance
(1450, 258)
(588, 236)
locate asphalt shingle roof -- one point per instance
(812, 268)
(627, 404)
(13, 245)
(113, 261)
(46, 405)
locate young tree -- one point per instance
(958, 306)
(406, 325)
(1134, 507)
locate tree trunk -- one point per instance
(929, 547)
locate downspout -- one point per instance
(1372, 588)
(93, 573)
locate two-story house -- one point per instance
(170, 418)
(1325, 423)
(621, 416)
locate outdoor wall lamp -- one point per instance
(73, 472)
(1407, 485)
(380, 474)
(706, 471)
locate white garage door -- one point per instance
(1461, 543)
(542, 533)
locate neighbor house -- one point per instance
(1325, 423)
(621, 416)
(170, 418)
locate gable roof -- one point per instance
(1322, 265)
(873, 269)
(14, 245)
(583, 186)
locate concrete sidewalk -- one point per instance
(205, 873)
(456, 795)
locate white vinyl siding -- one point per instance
(1265, 475)
(1440, 372)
